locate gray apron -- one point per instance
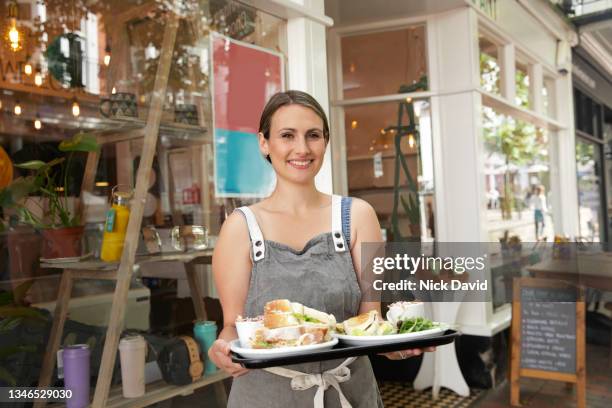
(320, 276)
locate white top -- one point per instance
(538, 202)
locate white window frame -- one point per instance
(338, 102)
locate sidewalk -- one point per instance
(552, 394)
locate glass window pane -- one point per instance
(591, 214)
(489, 66)
(371, 131)
(522, 85)
(94, 66)
(517, 179)
(607, 131)
(380, 63)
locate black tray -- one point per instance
(344, 351)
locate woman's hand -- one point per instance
(219, 354)
(404, 354)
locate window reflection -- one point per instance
(379, 63)
(371, 154)
(517, 179)
(489, 66)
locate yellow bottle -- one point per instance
(115, 227)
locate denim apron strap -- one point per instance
(337, 235)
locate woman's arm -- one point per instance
(231, 266)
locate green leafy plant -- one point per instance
(13, 311)
(49, 182)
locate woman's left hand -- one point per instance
(404, 354)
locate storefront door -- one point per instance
(590, 189)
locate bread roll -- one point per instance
(278, 305)
(276, 320)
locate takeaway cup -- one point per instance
(76, 374)
(132, 351)
(205, 333)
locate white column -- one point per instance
(307, 69)
(458, 168)
(536, 83)
(563, 168)
(507, 65)
(456, 120)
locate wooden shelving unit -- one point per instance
(160, 391)
(118, 130)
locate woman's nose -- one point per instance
(302, 145)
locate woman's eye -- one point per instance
(314, 135)
(287, 135)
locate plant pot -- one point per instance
(23, 245)
(62, 242)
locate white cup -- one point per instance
(246, 330)
(132, 350)
(400, 311)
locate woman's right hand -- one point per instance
(219, 354)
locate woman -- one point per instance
(282, 247)
(540, 209)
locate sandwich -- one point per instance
(287, 324)
(282, 313)
(366, 324)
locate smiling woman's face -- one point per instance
(296, 145)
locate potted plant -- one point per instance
(60, 227)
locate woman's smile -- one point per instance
(300, 164)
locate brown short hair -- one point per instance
(286, 98)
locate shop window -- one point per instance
(93, 69)
(522, 85)
(489, 66)
(517, 179)
(607, 131)
(589, 177)
(588, 114)
(382, 63)
(371, 131)
(90, 67)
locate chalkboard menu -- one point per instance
(548, 326)
(548, 334)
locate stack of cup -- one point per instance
(205, 333)
(132, 351)
(76, 374)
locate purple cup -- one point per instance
(76, 374)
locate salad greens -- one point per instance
(304, 318)
(415, 324)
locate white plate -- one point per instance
(389, 338)
(280, 352)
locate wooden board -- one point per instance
(548, 334)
